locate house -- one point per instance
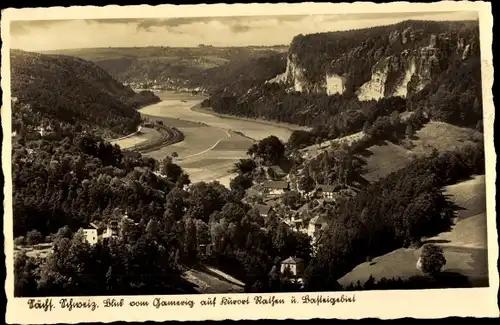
(276, 187)
(264, 209)
(315, 226)
(275, 172)
(205, 249)
(90, 235)
(325, 191)
(294, 264)
(112, 230)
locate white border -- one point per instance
(477, 302)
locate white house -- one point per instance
(316, 225)
(90, 236)
(325, 191)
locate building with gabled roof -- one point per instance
(275, 187)
(294, 264)
(315, 226)
(264, 209)
(325, 191)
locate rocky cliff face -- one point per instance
(399, 63)
(295, 78)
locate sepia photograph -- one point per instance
(246, 155)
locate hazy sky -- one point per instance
(178, 32)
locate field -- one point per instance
(314, 150)
(465, 246)
(208, 151)
(384, 159)
(443, 136)
(36, 251)
(283, 132)
(381, 160)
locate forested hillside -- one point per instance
(170, 67)
(66, 176)
(337, 82)
(54, 91)
(239, 74)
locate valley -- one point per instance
(335, 160)
(211, 144)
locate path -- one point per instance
(207, 150)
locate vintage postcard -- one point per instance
(250, 161)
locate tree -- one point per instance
(34, 237)
(270, 149)
(175, 154)
(432, 259)
(292, 199)
(64, 232)
(306, 183)
(245, 166)
(241, 182)
(19, 241)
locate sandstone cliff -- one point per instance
(386, 61)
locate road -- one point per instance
(168, 137)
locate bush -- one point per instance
(34, 237)
(432, 259)
(19, 241)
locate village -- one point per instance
(270, 197)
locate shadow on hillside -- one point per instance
(360, 182)
(436, 241)
(365, 153)
(450, 279)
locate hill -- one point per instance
(464, 245)
(383, 159)
(71, 91)
(168, 67)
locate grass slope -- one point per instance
(381, 160)
(209, 280)
(464, 246)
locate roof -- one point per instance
(303, 208)
(318, 220)
(292, 260)
(276, 184)
(93, 225)
(263, 208)
(325, 188)
(277, 169)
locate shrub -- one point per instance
(432, 259)
(34, 237)
(19, 241)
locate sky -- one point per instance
(45, 35)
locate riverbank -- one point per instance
(288, 126)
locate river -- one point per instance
(210, 147)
